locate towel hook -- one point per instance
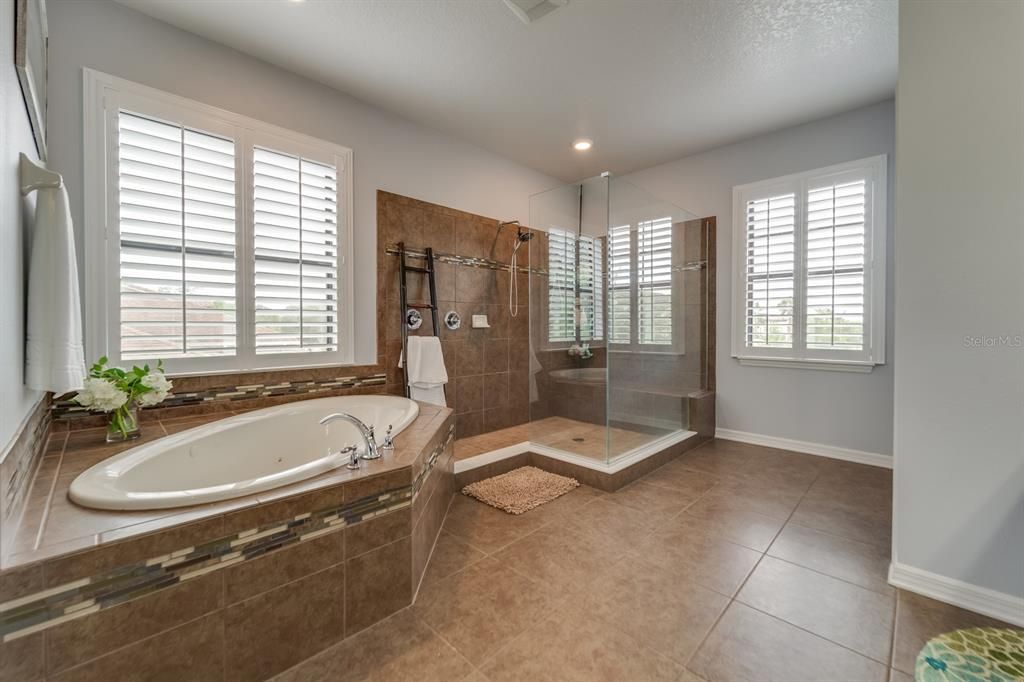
(32, 176)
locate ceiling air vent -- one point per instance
(532, 10)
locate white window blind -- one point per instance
(811, 277)
(562, 287)
(835, 266)
(770, 234)
(176, 197)
(654, 275)
(296, 257)
(620, 284)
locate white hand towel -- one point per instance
(426, 371)
(535, 367)
(54, 355)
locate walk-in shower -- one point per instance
(620, 310)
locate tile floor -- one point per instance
(568, 435)
(731, 563)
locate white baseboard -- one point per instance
(1004, 607)
(858, 456)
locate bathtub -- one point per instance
(239, 455)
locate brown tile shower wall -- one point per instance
(488, 369)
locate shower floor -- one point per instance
(569, 435)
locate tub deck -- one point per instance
(53, 525)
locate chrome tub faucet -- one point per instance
(365, 431)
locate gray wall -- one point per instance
(959, 447)
(389, 152)
(839, 409)
(16, 401)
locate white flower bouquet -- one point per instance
(121, 392)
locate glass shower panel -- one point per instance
(654, 351)
(617, 318)
(568, 362)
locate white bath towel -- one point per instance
(54, 355)
(535, 367)
(426, 371)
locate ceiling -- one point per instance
(648, 80)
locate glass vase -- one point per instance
(123, 424)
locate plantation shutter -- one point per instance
(176, 203)
(591, 289)
(836, 236)
(654, 282)
(770, 229)
(619, 284)
(562, 287)
(296, 253)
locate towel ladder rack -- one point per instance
(404, 269)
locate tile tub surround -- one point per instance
(216, 394)
(488, 383)
(357, 546)
(18, 466)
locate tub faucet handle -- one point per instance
(353, 451)
(389, 442)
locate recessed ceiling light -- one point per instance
(582, 145)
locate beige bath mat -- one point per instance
(520, 490)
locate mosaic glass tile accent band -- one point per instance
(45, 609)
(63, 409)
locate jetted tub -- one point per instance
(239, 455)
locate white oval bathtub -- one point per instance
(239, 455)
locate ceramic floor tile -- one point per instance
(558, 557)
(713, 563)
(398, 649)
(449, 556)
(484, 607)
(653, 605)
(680, 478)
(572, 646)
(746, 528)
(860, 563)
(749, 646)
(612, 521)
(648, 498)
(862, 524)
(486, 528)
(746, 497)
(839, 611)
(918, 619)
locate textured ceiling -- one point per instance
(648, 81)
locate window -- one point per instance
(642, 286)
(219, 243)
(567, 255)
(810, 268)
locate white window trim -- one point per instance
(874, 271)
(103, 94)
